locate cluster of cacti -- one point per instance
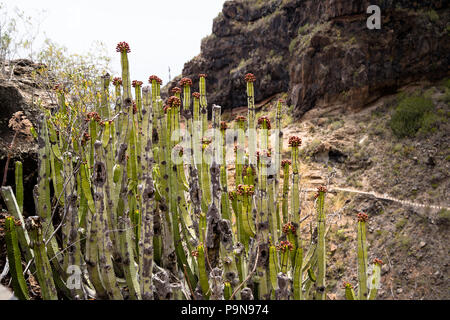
(134, 201)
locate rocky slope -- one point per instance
(20, 92)
(321, 51)
(354, 152)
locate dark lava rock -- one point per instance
(320, 50)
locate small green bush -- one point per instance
(444, 216)
(446, 96)
(409, 115)
(430, 123)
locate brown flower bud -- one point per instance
(295, 141)
(250, 77)
(123, 47)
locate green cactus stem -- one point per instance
(203, 276)
(19, 184)
(250, 79)
(104, 104)
(274, 268)
(123, 48)
(285, 248)
(362, 257)
(321, 250)
(285, 164)
(349, 292)
(43, 268)
(15, 265)
(297, 276)
(375, 278)
(224, 198)
(148, 199)
(14, 210)
(246, 192)
(294, 143)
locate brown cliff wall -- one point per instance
(321, 50)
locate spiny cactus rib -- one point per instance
(203, 277)
(13, 252)
(43, 268)
(362, 257)
(349, 292)
(321, 250)
(297, 277)
(19, 184)
(22, 234)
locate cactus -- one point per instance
(146, 212)
(321, 251)
(43, 268)
(362, 257)
(13, 252)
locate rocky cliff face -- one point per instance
(20, 92)
(321, 51)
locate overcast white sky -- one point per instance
(161, 33)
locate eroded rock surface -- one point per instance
(319, 51)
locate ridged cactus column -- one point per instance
(124, 49)
(321, 249)
(285, 165)
(250, 79)
(43, 268)
(362, 257)
(13, 252)
(294, 218)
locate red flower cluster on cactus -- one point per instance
(362, 217)
(285, 245)
(240, 119)
(267, 153)
(285, 163)
(231, 195)
(289, 227)
(347, 285)
(174, 102)
(136, 83)
(117, 81)
(245, 170)
(93, 115)
(194, 253)
(319, 190)
(196, 95)
(156, 78)
(223, 125)
(185, 82)
(295, 141)
(123, 47)
(86, 138)
(243, 189)
(265, 120)
(378, 261)
(175, 90)
(166, 107)
(250, 77)
(202, 75)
